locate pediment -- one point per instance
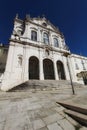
(45, 23)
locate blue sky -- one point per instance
(69, 15)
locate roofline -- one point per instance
(30, 21)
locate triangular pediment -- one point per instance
(45, 23)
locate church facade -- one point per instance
(37, 51)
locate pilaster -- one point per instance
(55, 71)
(41, 71)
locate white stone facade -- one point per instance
(37, 50)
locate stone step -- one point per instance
(51, 82)
(81, 118)
(46, 85)
(74, 107)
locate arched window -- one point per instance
(55, 42)
(34, 35)
(45, 38)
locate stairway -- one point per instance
(76, 112)
(46, 85)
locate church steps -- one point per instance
(45, 85)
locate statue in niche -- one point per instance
(17, 30)
(20, 60)
(47, 53)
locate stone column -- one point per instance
(41, 73)
(66, 68)
(55, 71)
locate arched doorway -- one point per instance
(60, 69)
(33, 68)
(48, 69)
(85, 80)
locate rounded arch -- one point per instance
(48, 69)
(33, 67)
(34, 29)
(60, 69)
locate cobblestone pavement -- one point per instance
(35, 111)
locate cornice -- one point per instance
(36, 45)
(79, 56)
(18, 20)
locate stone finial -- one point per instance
(16, 16)
(38, 17)
(1, 44)
(27, 16)
(80, 53)
(44, 17)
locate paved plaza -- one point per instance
(38, 110)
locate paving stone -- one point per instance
(2, 116)
(59, 109)
(52, 118)
(33, 115)
(16, 115)
(65, 124)
(44, 128)
(54, 126)
(2, 125)
(4, 104)
(20, 123)
(14, 124)
(11, 108)
(37, 124)
(34, 111)
(49, 104)
(72, 121)
(62, 114)
(83, 128)
(46, 112)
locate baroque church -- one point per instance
(38, 51)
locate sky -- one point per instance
(70, 16)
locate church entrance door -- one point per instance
(85, 80)
(48, 69)
(60, 69)
(33, 68)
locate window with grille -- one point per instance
(55, 42)
(45, 38)
(34, 35)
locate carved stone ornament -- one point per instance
(47, 47)
(17, 31)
